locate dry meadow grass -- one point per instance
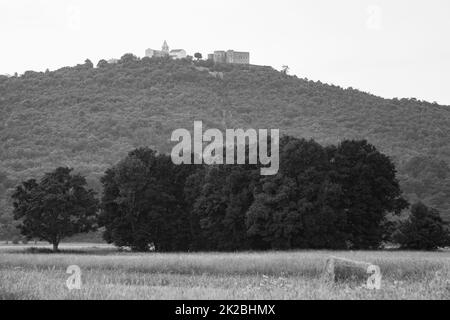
(108, 274)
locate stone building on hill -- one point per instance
(230, 56)
(166, 52)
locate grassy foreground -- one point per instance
(108, 274)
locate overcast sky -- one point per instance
(391, 48)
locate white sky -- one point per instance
(391, 48)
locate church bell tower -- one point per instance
(165, 47)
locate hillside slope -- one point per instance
(88, 118)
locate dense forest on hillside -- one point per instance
(89, 117)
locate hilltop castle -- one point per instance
(165, 52)
(219, 56)
(230, 56)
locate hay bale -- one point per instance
(340, 269)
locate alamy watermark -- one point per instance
(374, 280)
(236, 143)
(74, 281)
(375, 18)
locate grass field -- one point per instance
(109, 274)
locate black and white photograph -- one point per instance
(224, 156)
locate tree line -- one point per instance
(335, 197)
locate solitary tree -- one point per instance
(198, 56)
(424, 230)
(57, 206)
(285, 70)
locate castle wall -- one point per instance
(238, 57)
(230, 56)
(220, 57)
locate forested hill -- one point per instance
(89, 117)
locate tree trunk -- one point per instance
(55, 246)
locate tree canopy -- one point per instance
(335, 197)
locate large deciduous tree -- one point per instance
(143, 203)
(370, 190)
(58, 206)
